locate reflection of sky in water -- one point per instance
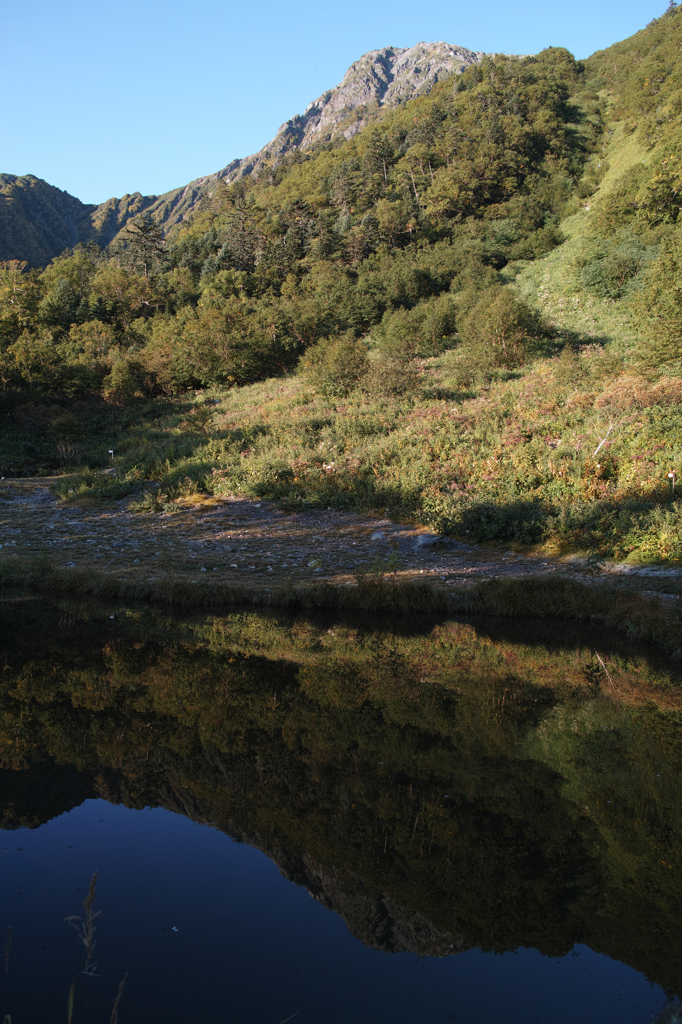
(251, 948)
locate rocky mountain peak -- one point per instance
(383, 77)
(380, 78)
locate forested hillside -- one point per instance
(39, 221)
(467, 313)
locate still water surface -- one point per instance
(337, 821)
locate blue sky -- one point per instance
(101, 99)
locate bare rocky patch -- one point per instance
(245, 542)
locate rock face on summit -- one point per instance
(380, 78)
(38, 221)
(389, 76)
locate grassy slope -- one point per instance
(551, 282)
(510, 457)
(458, 438)
(509, 442)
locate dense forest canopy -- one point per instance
(480, 275)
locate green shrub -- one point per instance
(635, 528)
(658, 307)
(335, 366)
(150, 502)
(480, 520)
(539, 243)
(610, 266)
(425, 330)
(501, 328)
(127, 379)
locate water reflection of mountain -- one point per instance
(34, 796)
(439, 790)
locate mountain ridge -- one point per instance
(38, 221)
(384, 77)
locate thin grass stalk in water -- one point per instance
(114, 1013)
(85, 927)
(8, 948)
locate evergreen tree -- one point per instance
(145, 247)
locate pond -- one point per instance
(325, 820)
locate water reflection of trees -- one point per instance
(440, 788)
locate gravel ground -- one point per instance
(236, 541)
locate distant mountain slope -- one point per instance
(39, 221)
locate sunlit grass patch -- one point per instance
(93, 486)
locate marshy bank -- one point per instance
(220, 552)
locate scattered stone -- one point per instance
(348, 541)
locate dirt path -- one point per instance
(242, 541)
